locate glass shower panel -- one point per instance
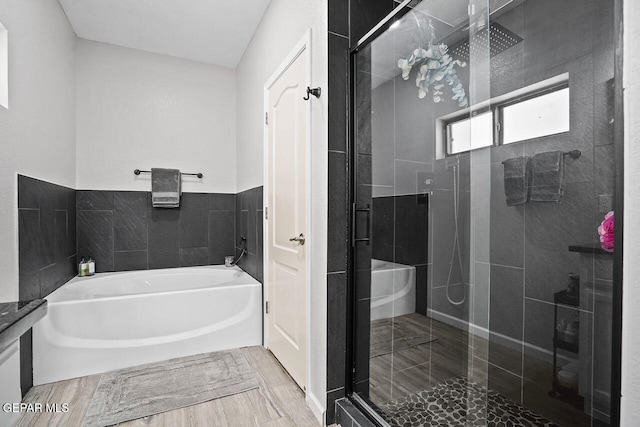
(413, 271)
(483, 293)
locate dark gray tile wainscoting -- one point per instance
(122, 231)
(47, 249)
(349, 20)
(249, 212)
(47, 236)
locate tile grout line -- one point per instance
(338, 34)
(524, 298)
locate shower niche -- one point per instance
(464, 206)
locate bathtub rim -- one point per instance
(59, 296)
(389, 266)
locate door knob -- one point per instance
(300, 239)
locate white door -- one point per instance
(286, 222)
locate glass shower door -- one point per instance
(483, 164)
(413, 235)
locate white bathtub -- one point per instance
(116, 320)
(393, 289)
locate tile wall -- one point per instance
(47, 249)
(122, 231)
(249, 214)
(47, 230)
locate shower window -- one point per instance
(459, 133)
(542, 115)
(519, 116)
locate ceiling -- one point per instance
(211, 31)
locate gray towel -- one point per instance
(166, 188)
(547, 176)
(516, 179)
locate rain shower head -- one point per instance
(496, 38)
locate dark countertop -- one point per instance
(590, 248)
(16, 318)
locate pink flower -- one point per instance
(606, 232)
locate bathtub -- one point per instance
(117, 320)
(393, 289)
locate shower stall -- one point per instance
(483, 170)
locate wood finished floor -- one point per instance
(454, 353)
(278, 402)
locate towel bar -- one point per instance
(138, 172)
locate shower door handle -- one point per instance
(354, 211)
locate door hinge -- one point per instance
(266, 307)
(266, 212)
(266, 118)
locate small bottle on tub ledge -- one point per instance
(83, 268)
(91, 266)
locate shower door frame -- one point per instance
(400, 10)
(618, 143)
(618, 147)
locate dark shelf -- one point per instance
(558, 391)
(591, 248)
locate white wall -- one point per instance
(37, 133)
(138, 110)
(630, 410)
(280, 29)
(4, 72)
(283, 25)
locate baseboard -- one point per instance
(317, 408)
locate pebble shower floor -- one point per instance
(458, 402)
